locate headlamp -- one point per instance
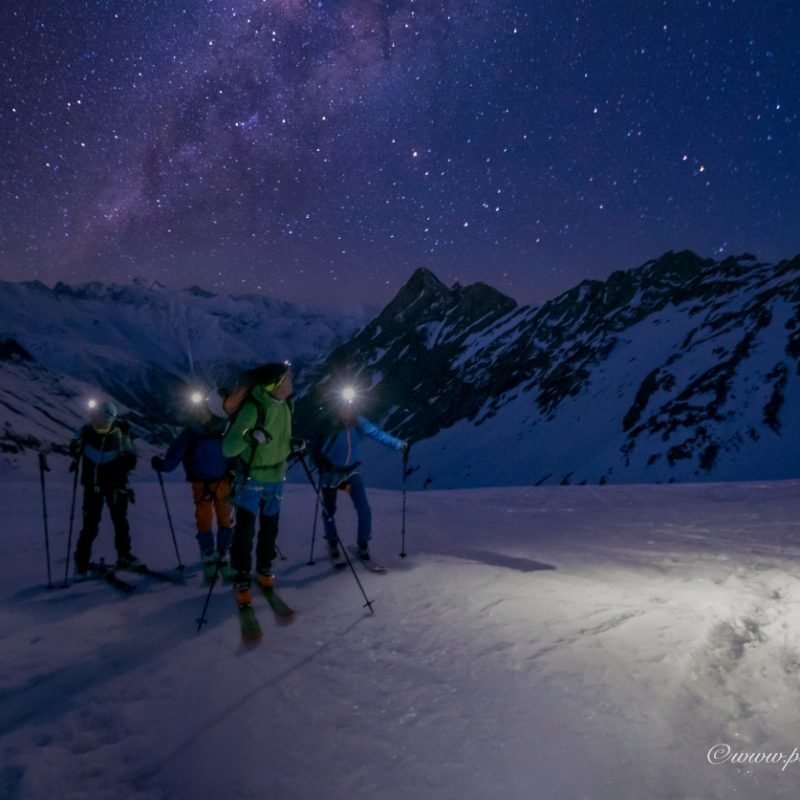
(348, 395)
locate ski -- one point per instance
(248, 622)
(105, 572)
(166, 577)
(370, 565)
(276, 602)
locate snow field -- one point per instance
(553, 642)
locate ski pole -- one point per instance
(403, 553)
(317, 491)
(314, 527)
(181, 565)
(74, 469)
(42, 469)
(311, 561)
(367, 602)
(202, 619)
(296, 457)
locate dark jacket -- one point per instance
(106, 458)
(199, 447)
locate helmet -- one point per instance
(107, 410)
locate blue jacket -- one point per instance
(199, 447)
(341, 448)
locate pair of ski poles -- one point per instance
(318, 492)
(43, 467)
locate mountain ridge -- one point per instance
(684, 368)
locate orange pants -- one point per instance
(212, 497)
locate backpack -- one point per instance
(234, 400)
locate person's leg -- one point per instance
(92, 512)
(358, 495)
(248, 503)
(329, 495)
(202, 518)
(117, 500)
(268, 532)
(223, 508)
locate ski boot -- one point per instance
(209, 566)
(362, 551)
(241, 590)
(225, 568)
(265, 577)
(130, 562)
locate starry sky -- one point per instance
(321, 150)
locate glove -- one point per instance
(157, 463)
(298, 446)
(259, 436)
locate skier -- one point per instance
(199, 447)
(337, 454)
(260, 434)
(105, 452)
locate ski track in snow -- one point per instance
(561, 642)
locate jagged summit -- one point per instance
(424, 290)
(681, 368)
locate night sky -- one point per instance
(321, 150)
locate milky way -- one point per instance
(321, 151)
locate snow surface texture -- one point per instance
(550, 643)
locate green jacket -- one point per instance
(268, 462)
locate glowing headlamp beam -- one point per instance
(348, 394)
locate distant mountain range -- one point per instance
(143, 345)
(682, 369)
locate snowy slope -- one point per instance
(551, 642)
(144, 345)
(36, 404)
(682, 369)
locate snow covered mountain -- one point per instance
(144, 346)
(682, 369)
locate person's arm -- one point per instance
(374, 432)
(76, 450)
(128, 455)
(175, 452)
(236, 440)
